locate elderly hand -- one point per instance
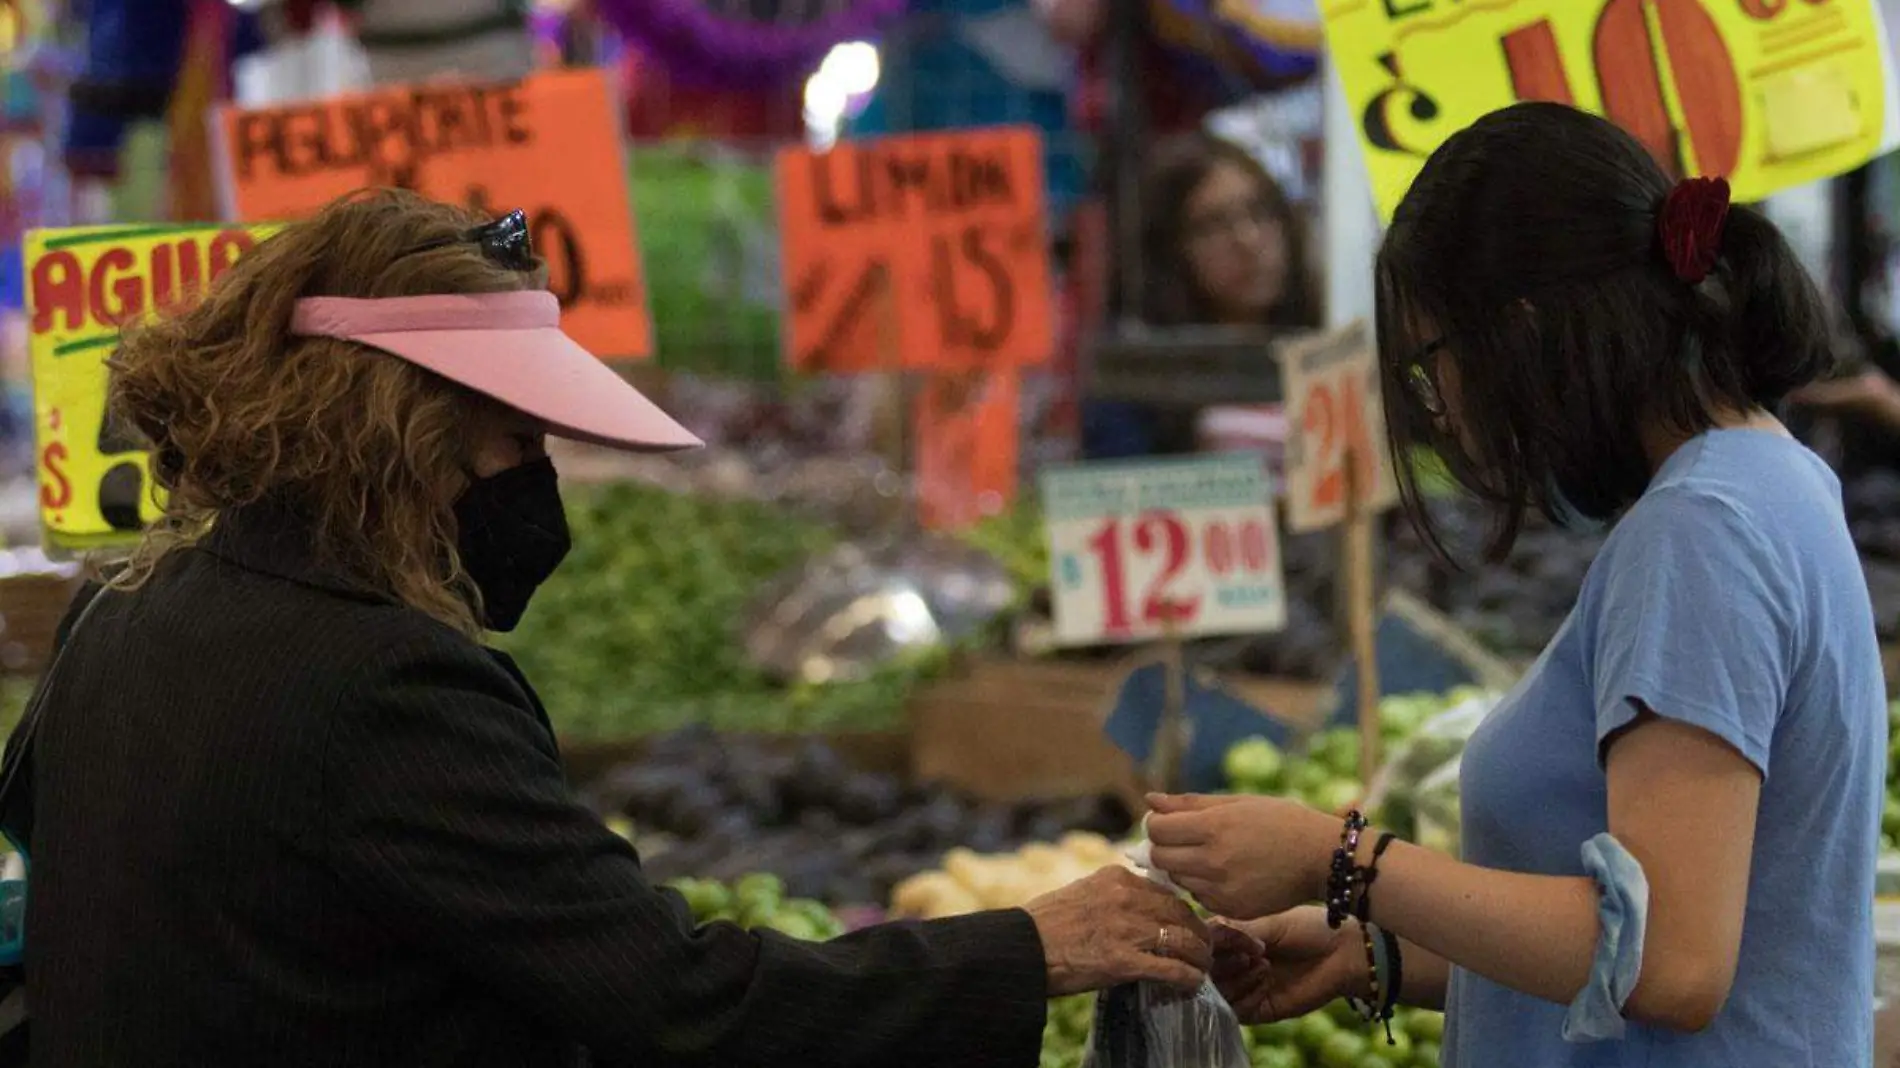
(1283, 967)
(1243, 857)
(1116, 927)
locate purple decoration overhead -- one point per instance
(702, 45)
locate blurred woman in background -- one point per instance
(1221, 246)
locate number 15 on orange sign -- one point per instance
(1330, 382)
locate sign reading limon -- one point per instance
(1767, 93)
(82, 285)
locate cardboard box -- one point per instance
(1887, 1036)
(1012, 730)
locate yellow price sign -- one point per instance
(82, 285)
(1767, 93)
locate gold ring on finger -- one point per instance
(1161, 941)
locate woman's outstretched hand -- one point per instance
(1284, 966)
(1244, 857)
(1117, 927)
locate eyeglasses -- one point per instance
(1421, 380)
(505, 242)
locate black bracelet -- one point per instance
(1395, 982)
(1341, 881)
(1362, 906)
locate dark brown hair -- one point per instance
(1171, 297)
(369, 447)
(1527, 252)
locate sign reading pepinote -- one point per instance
(1139, 549)
(549, 145)
(1767, 93)
(920, 252)
(83, 285)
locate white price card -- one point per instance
(1333, 408)
(1133, 544)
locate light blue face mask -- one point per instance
(1566, 513)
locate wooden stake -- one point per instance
(1164, 762)
(893, 403)
(1359, 615)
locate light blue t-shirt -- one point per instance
(1729, 597)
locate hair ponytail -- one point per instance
(1778, 334)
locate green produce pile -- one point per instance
(1324, 772)
(638, 631)
(1017, 540)
(758, 901)
(709, 239)
(1333, 1037)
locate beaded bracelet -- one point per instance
(1342, 881)
(1382, 979)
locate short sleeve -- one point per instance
(1694, 620)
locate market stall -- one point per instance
(868, 655)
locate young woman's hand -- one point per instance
(1284, 966)
(1244, 857)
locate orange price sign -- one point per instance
(1767, 93)
(548, 144)
(1331, 385)
(968, 430)
(943, 232)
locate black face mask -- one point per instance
(513, 535)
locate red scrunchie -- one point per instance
(1690, 225)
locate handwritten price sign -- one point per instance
(1767, 93)
(548, 144)
(1134, 545)
(927, 250)
(83, 284)
(967, 430)
(1334, 412)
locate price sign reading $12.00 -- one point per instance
(1334, 414)
(1141, 548)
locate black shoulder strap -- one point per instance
(22, 739)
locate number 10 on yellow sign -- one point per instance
(1767, 93)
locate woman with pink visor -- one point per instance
(283, 808)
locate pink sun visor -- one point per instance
(509, 347)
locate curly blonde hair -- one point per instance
(369, 447)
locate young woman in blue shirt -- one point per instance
(1670, 825)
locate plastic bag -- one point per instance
(1149, 1025)
(1416, 792)
(1152, 1025)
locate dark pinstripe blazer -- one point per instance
(277, 821)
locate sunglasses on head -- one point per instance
(504, 242)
